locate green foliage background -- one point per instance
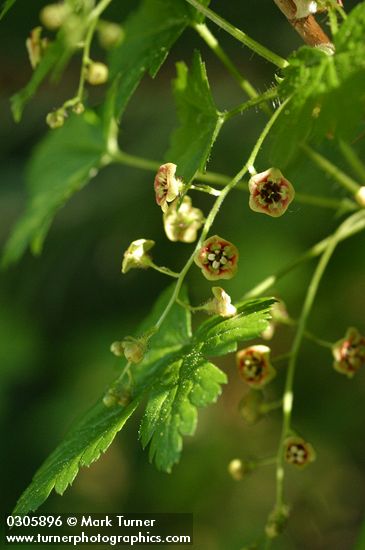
(59, 313)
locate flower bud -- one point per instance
(97, 73)
(117, 396)
(360, 196)
(349, 353)
(237, 469)
(220, 304)
(254, 366)
(36, 46)
(250, 407)
(54, 15)
(109, 34)
(270, 193)
(79, 108)
(132, 348)
(181, 223)
(56, 119)
(136, 255)
(277, 521)
(279, 315)
(217, 258)
(298, 452)
(166, 186)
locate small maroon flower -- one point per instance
(270, 193)
(217, 258)
(254, 366)
(166, 185)
(298, 451)
(349, 353)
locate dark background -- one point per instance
(60, 312)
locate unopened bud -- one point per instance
(54, 15)
(56, 119)
(109, 34)
(97, 73)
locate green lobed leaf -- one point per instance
(219, 336)
(324, 91)
(150, 32)
(174, 377)
(81, 447)
(96, 431)
(7, 5)
(63, 163)
(188, 382)
(200, 122)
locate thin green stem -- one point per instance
(214, 45)
(240, 35)
(270, 94)
(164, 270)
(353, 160)
(332, 170)
(313, 252)
(205, 189)
(307, 334)
(216, 207)
(332, 242)
(272, 406)
(93, 21)
(332, 17)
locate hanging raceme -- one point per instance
(315, 110)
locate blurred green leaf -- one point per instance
(7, 5)
(200, 123)
(360, 544)
(54, 60)
(175, 378)
(62, 164)
(324, 91)
(150, 32)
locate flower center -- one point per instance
(218, 257)
(253, 368)
(270, 192)
(297, 454)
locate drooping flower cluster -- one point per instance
(217, 259)
(270, 193)
(254, 366)
(349, 353)
(298, 452)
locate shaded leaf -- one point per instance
(95, 432)
(200, 122)
(7, 5)
(62, 164)
(324, 90)
(150, 32)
